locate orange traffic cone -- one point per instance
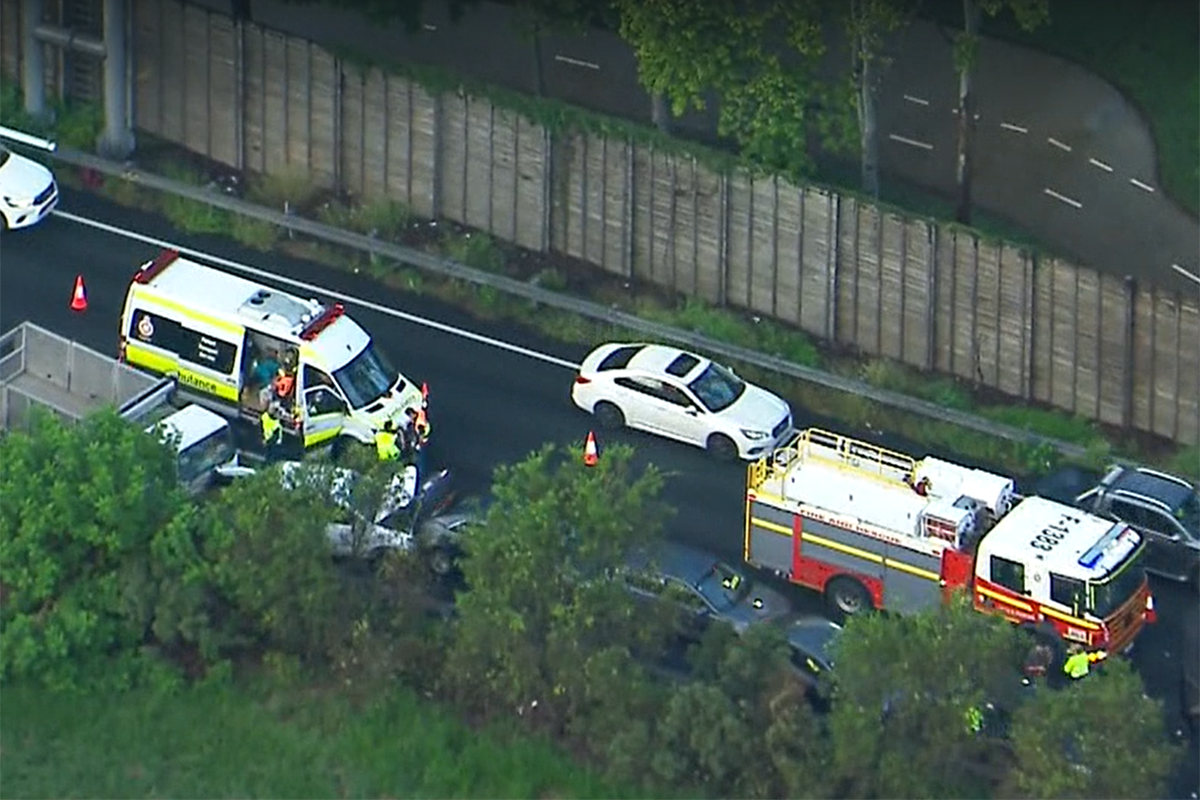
(79, 296)
(591, 455)
(424, 394)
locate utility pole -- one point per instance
(116, 141)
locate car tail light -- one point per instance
(1151, 614)
(580, 380)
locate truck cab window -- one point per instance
(1067, 591)
(1008, 574)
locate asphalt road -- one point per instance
(1060, 152)
(489, 405)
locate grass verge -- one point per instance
(220, 741)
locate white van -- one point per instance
(240, 349)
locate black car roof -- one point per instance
(1174, 493)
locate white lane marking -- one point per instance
(918, 100)
(1060, 145)
(1191, 276)
(575, 62)
(429, 27)
(1100, 164)
(1063, 198)
(1008, 126)
(910, 142)
(1143, 186)
(319, 290)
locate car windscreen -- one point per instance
(205, 455)
(723, 586)
(1106, 597)
(717, 388)
(366, 378)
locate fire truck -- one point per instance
(872, 528)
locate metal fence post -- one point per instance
(1130, 286)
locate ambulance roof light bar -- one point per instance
(164, 259)
(323, 321)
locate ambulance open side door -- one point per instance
(324, 409)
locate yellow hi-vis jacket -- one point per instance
(385, 445)
(272, 429)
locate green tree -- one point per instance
(903, 688)
(761, 61)
(1029, 14)
(543, 618)
(269, 561)
(868, 23)
(84, 507)
(741, 726)
(1099, 737)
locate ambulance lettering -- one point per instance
(1053, 533)
(195, 381)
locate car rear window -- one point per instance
(619, 358)
(682, 365)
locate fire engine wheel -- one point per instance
(609, 416)
(847, 597)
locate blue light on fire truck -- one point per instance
(1111, 549)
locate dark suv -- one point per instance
(1164, 508)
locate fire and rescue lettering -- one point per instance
(1052, 534)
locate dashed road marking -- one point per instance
(429, 27)
(1008, 126)
(910, 142)
(1191, 276)
(917, 100)
(1060, 145)
(1063, 198)
(1100, 164)
(1145, 187)
(575, 62)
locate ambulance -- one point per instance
(240, 349)
(874, 528)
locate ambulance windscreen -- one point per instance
(366, 378)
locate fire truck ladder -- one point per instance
(849, 454)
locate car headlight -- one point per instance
(19, 202)
(753, 435)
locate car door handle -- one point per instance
(691, 412)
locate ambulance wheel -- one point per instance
(847, 597)
(347, 450)
(609, 416)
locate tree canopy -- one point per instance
(759, 61)
(111, 577)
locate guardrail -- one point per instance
(537, 294)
